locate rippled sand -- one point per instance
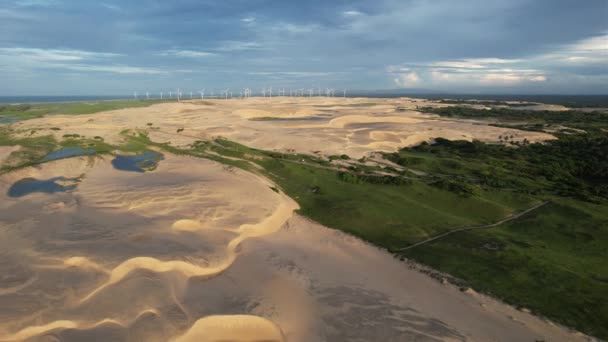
(197, 251)
(353, 126)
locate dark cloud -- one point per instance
(343, 43)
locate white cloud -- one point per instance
(28, 59)
(118, 69)
(351, 13)
(471, 71)
(248, 20)
(407, 80)
(291, 73)
(592, 50)
(36, 3)
(539, 78)
(474, 63)
(233, 45)
(297, 29)
(50, 55)
(187, 53)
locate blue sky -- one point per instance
(77, 47)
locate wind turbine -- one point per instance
(344, 93)
(202, 94)
(161, 95)
(179, 93)
(135, 95)
(147, 95)
(191, 95)
(270, 92)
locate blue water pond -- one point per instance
(142, 162)
(7, 119)
(27, 186)
(67, 152)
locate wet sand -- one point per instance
(198, 251)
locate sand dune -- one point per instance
(196, 252)
(301, 124)
(236, 328)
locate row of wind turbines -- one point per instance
(243, 94)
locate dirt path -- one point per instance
(505, 220)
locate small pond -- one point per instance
(67, 152)
(146, 161)
(7, 119)
(27, 186)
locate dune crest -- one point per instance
(234, 328)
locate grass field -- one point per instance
(551, 261)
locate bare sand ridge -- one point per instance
(197, 251)
(353, 126)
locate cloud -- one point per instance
(473, 63)
(49, 55)
(75, 60)
(469, 72)
(407, 80)
(586, 51)
(234, 45)
(290, 73)
(296, 28)
(448, 45)
(117, 69)
(36, 3)
(187, 53)
(351, 13)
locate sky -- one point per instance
(112, 47)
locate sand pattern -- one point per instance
(331, 125)
(197, 251)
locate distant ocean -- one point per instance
(567, 100)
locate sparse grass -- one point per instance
(36, 110)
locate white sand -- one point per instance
(195, 251)
(329, 125)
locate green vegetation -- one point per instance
(571, 101)
(36, 110)
(484, 103)
(572, 118)
(573, 166)
(551, 261)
